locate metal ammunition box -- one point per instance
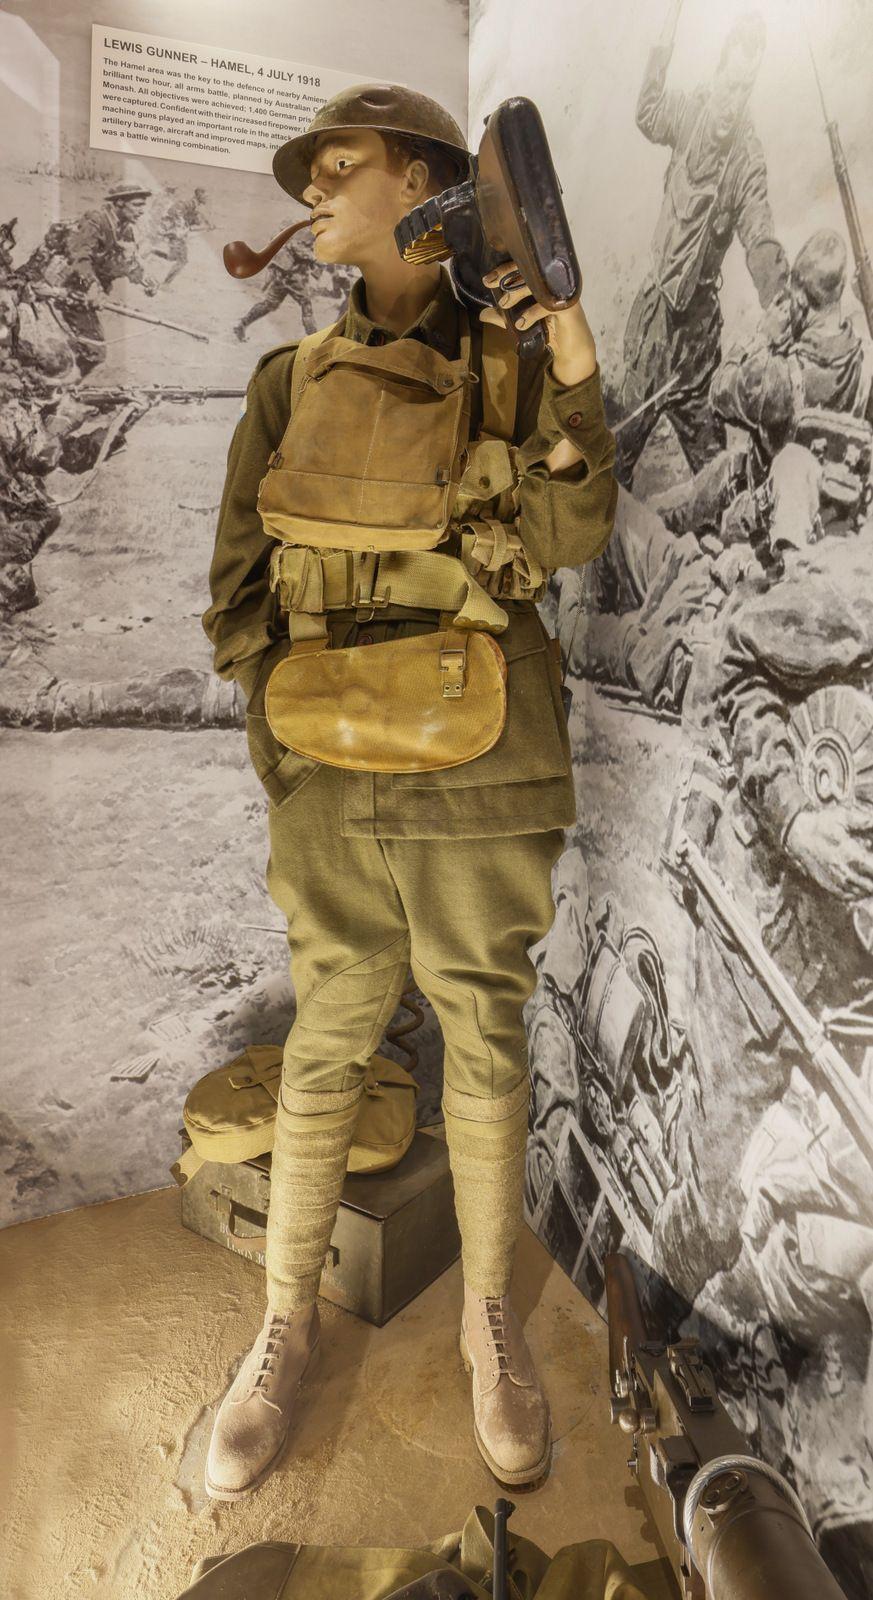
(395, 1232)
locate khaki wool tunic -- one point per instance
(524, 784)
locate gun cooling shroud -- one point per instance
(730, 1525)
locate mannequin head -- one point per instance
(365, 182)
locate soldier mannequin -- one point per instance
(448, 870)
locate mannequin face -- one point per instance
(352, 181)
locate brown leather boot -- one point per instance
(255, 1416)
(511, 1420)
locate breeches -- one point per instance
(461, 912)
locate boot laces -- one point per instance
(495, 1314)
(273, 1340)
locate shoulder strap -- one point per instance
(307, 344)
(499, 382)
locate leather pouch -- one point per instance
(408, 705)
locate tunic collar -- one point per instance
(438, 324)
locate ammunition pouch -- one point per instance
(493, 552)
(314, 581)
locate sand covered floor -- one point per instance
(120, 1332)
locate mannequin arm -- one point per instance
(242, 621)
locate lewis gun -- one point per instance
(730, 1526)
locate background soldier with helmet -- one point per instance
(715, 188)
(297, 276)
(99, 247)
(176, 218)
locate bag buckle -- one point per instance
(364, 612)
(452, 664)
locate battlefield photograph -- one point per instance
(702, 1032)
(695, 1055)
(133, 812)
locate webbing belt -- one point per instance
(311, 582)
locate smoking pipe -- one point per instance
(241, 261)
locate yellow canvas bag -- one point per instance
(408, 705)
(374, 450)
(230, 1113)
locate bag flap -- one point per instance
(383, 710)
(259, 1063)
(407, 359)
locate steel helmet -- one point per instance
(385, 107)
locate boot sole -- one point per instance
(215, 1493)
(526, 1475)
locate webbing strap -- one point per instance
(311, 582)
(186, 1166)
(499, 382)
(308, 343)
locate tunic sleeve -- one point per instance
(242, 621)
(566, 520)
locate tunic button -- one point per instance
(365, 638)
(575, 420)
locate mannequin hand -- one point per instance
(574, 356)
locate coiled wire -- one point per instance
(714, 1469)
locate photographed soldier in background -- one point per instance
(795, 675)
(715, 188)
(97, 249)
(296, 276)
(174, 223)
(805, 354)
(7, 245)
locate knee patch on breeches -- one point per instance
(487, 1141)
(483, 1031)
(340, 1024)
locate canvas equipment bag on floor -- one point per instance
(456, 1564)
(230, 1114)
